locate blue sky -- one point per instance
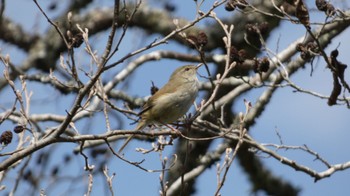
(299, 118)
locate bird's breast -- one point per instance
(171, 106)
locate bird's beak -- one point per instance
(200, 64)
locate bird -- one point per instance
(171, 102)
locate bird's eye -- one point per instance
(187, 69)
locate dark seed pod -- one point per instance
(251, 29)
(202, 38)
(264, 64)
(256, 65)
(241, 4)
(334, 53)
(330, 11)
(321, 5)
(192, 41)
(230, 6)
(242, 55)
(18, 129)
(6, 138)
(264, 27)
(77, 40)
(154, 89)
(234, 56)
(170, 7)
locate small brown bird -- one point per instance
(172, 101)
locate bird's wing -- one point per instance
(145, 108)
(163, 91)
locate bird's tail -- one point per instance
(125, 143)
(140, 126)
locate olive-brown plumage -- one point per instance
(170, 102)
